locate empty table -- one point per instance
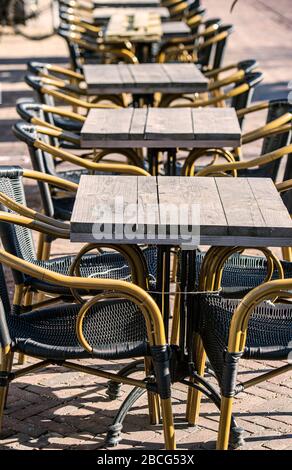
(132, 210)
(104, 14)
(161, 129)
(232, 211)
(144, 79)
(127, 3)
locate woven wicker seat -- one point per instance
(115, 329)
(269, 330)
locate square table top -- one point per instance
(127, 3)
(103, 14)
(142, 26)
(161, 128)
(165, 210)
(144, 78)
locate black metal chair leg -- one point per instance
(114, 388)
(113, 436)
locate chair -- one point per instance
(18, 240)
(227, 330)
(123, 321)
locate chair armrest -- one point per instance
(259, 161)
(136, 294)
(89, 165)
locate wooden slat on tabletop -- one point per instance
(270, 205)
(103, 199)
(148, 208)
(107, 124)
(125, 74)
(137, 128)
(197, 193)
(215, 123)
(165, 124)
(240, 206)
(185, 74)
(102, 74)
(175, 28)
(149, 73)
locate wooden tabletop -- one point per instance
(142, 26)
(139, 209)
(104, 13)
(127, 3)
(161, 128)
(172, 29)
(144, 78)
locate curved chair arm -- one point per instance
(253, 108)
(188, 168)
(36, 225)
(240, 318)
(89, 165)
(242, 165)
(132, 254)
(218, 98)
(54, 131)
(74, 101)
(267, 129)
(63, 112)
(284, 186)
(25, 211)
(135, 293)
(50, 179)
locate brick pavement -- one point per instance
(61, 409)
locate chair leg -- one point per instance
(153, 398)
(27, 301)
(287, 253)
(168, 427)
(194, 396)
(224, 424)
(5, 368)
(176, 317)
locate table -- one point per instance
(245, 212)
(161, 129)
(103, 14)
(144, 26)
(143, 29)
(233, 211)
(145, 79)
(127, 3)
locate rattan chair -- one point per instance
(19, 240)
(123, 321)
(227, 330)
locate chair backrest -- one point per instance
(276, 109)
(210, 52)
(41, 161)
(73, 48)
(36, 84)
(15, 239)
(243, 100)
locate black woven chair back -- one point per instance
(4, 296)
(36, 84)
(15, 239)
(243, 100)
